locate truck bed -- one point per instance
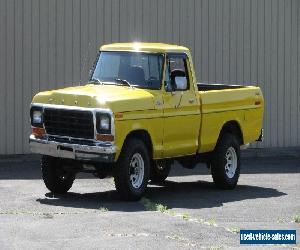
(222, 103)
(216, 86)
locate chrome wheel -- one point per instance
(137, 169)
(231, 162)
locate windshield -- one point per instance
(142, 70)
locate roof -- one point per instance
(145, 47)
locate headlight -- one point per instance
(103, 123)
(37, 117)
(36, 114)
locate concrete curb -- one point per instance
(290, 152)
(20, 158)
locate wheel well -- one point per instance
(144, 136)
(233, 127)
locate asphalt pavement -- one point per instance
(187, 212)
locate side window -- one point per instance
(178, 73)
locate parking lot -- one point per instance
(187, 212)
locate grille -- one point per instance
(72, 123)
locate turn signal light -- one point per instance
(118, 115)
(38, 131)
(105, 137)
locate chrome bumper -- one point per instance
(102, 152)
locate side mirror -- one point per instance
(178, 79)
(181, 83)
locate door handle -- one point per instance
(158, 103)
(191, 100)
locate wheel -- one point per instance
(225, 165)
(160, 171)
(56, 179)
(131, 173)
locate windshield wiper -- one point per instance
(123, 81)
(96, 80)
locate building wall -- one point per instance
(46, 44)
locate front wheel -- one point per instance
(56, 179)
(225, 165)
(131, 173)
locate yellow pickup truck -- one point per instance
(141, 110)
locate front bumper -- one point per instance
(100, 152)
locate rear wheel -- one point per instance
(131, 173)
(225, 165)
(160, 171)
(56, 179)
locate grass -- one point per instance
(186, 216)
(161, 208)
(211, 222)
(103, 209)
(234, 230)
(151, 206)
(171, 213)
(296, 218)
(280, 221)
(173, 237)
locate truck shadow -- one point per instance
(190, 195)
(28, 168)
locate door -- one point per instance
(181, 108)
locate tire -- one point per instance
(160, 171)
(131, 173)
(225, 164)
(55, 178)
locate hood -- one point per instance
(117, 98)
